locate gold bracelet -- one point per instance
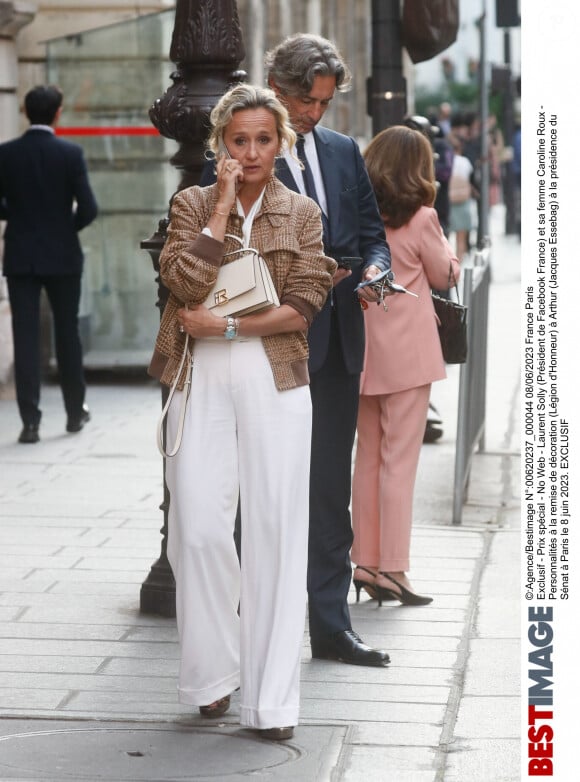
(223, 214)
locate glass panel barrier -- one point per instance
(110, 76)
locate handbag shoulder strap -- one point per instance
(185, 396)
(450, 278)
(163, 450)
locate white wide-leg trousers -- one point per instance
(240, 433)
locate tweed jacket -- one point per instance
(287, 230)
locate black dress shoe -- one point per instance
(348, 647)
(76, 422)
(29, 434)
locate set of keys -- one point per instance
(384, 287)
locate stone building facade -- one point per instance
(28, 31)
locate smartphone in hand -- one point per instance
(348, 262)
(225, 151)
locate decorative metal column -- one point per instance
(386, 87)
(207, 48)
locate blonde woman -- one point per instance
(248, 424)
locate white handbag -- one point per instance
(242, 286)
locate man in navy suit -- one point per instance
(305, 71)
(46, 199)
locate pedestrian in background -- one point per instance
(516, 165)
(461, 191)
(46, 199)
(306, 71)
(402, 358)
(443, 162)
(247, 427)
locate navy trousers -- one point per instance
(334, 394)
(64, 297)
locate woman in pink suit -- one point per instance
(403, 357)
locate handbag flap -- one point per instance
(234, 278)
(268, 283)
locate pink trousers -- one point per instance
(390, 431)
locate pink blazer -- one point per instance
(402, 345)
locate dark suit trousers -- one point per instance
(64, 297)
(334, 395)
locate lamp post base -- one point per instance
(158, 591)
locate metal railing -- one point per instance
(472, 378)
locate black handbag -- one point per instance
(452, 326)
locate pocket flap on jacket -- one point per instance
(280, 240)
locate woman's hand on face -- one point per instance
(198, 321)
(230, 175)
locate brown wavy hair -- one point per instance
(400, 165)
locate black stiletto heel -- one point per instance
(370, 589)
(405, 596)
(385, 594)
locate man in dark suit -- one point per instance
(46, 199)
(305, 71)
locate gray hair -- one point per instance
(249, 96)
(294, 64)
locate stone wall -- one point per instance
(24, 28)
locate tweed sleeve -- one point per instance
(190, 260)
(309, 280)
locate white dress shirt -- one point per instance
(296, 171)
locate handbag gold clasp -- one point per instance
(221, 297)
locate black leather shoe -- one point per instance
(29, 434)
(76, 422)
(348, 647)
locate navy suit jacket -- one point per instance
(46, 199)
(356, 230)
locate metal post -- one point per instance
(483, 204)
(386, 87)
(461, 446)
(207, 48)
(508, 126)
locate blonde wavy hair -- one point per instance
(401, 169)
(249, 96)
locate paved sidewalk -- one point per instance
(88, 684)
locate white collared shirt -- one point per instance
(49, 128)
(296, 171)
(248, 219)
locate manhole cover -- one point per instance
(138, 754)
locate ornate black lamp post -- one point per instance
(386, 87)
(207, 48)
